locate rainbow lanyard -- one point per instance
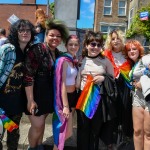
(131, 76)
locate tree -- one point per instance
(140, 27)
(52, 5)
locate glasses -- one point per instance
(93, 44)
(24, 31)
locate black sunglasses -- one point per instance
(93, 44)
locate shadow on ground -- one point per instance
(49, 147)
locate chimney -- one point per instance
(29, 1)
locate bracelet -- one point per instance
(65, 106)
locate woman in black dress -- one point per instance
(39, 80)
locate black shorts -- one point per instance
(72, 99)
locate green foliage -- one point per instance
(140, 27)
(52, 5)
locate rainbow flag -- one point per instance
(59, 122)
(89, 98)
(124, 69)
(8, 123)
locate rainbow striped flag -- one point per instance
(89, 98)
(8, 123)
(124, 69)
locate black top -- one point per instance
(12, 94)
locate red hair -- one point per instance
(137, 44)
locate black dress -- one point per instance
(39, 73)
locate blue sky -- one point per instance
(86, 11)
(86, 14)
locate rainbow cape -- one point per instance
(124, 69)
(89, 98)
(7, 122)
(59, 122)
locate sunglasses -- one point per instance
(93, 44)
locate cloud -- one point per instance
(91, 7)
(86, 1)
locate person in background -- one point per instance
(141, 102)
(12, 93)
(114, 51)
(3, 37)
(89, 115)
(65, 83)
(38, 80)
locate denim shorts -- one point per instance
(139, 101)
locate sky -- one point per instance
(86, 11)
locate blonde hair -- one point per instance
(119, 34)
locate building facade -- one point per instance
(134, 5)
(25, 10)
(111, 14)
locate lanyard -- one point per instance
(131, 75)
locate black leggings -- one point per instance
(13, 137)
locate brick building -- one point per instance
(25, 10)
(110, 14)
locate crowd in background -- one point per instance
(108, 87)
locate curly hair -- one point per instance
(58, 25)
(89, 37)
(119, 34)
(13, 31)
(137, 44)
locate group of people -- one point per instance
(109, 90)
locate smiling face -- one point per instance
(72, 46)
(133, 53)
(116, 43)
(93, 48)
(53, 38)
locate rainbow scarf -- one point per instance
(59, 122)
(89, 98)
(7, 123)
(124, 69)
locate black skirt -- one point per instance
(43, 95)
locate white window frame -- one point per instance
(131, 12)
(125, 8)
(107, 7)
(112, 25)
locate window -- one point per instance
(107, 7)
(122, 8)
(106, 28)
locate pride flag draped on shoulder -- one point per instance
(59, 121)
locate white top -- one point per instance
(94, 66)
(119, 59)
(71, 75)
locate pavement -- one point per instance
(70, 144)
